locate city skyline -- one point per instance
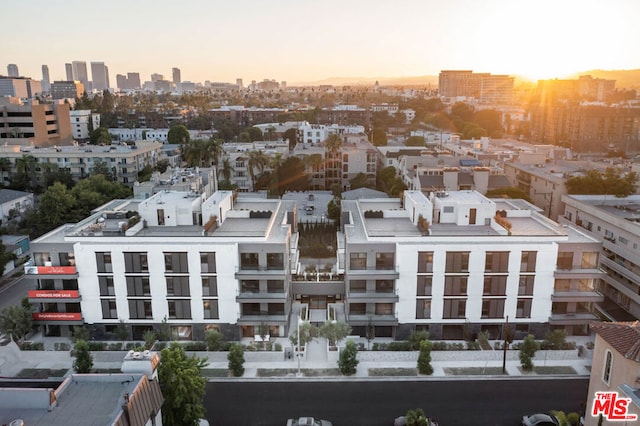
(296, 41)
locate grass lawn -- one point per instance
(475, 371)
(41, 373)
(377, 372)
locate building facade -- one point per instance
(67, 89)
(100, 76)
(34, 124)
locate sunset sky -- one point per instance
(306, 40)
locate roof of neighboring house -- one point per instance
(498, 181)
(431, 181)
(357, 194)
(7, 195)
(624, 337)
(465, 178)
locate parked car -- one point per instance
(540, 419)
(308, 421)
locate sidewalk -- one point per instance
(454, 365)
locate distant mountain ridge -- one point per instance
(625, 79)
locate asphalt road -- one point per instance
(13, 291)
(372, 403)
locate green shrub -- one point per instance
(32, 346)
(439, 346)
(236, 359)
(399, 346)
(149, 338)
(96, 346)
(269, 346)
(473, 346)
(214, 340)
(348, 361)
(573, 419)
(416, 337)
(117, 346)
(251, 347)
(160, 346)
(278, 347)
(195, 346)
(527, 351)
(424, 359)
(79, 333)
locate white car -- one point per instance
(308, 421)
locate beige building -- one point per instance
(34, 124)
(615, 368)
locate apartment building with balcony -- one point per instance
(459, 263)
(34, 124)
(151, 261)
(615, 222)
(124, 161)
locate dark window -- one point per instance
(103, 260)
(176, 262)
(275, 286)
(454, 308)
(357, 286)
(457, 262)
(497, 261)
(275, 261)
(425, 261)
(177, 286)
(249, 261)
(358, 308)
(275, 308)
(179, 309)
(136, 262)
(525, 287)
(384, 286)
(208, 263)
(565, 260)
(138, 286)
(209, 286)
(210, 307)
(358, 261)
(523, 309)
(493, 308)
(140, 309)
(384, 308)
(385, 261)
(251, 309)
(250, 286)
(424, 286)
(67, 259)
(106, 286)
(109, 310)
(423, 308)
(455, 286)
(495, 285)
(70, 284)
(528, 261)
(608, 364)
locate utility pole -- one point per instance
(504, 346)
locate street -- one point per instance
(451, 402)
(12, 293)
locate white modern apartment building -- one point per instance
(615, 222)
(147, 134)
(314, 134)
(454, 265)
(82, 123)
(238, 154)
(124, 161)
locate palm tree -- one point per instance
(257, 160)
(227, 169)
(5, 167)
(26, 171)
(216, 149)
(193, 152)
(333, 143)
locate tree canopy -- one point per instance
(415, 141)
(16, 321)
(183, 386)
(100, 136)
(178, 134)
(612, 182)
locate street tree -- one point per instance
(236, 359)
(595, 182)
(255, 134)
(56, 205)
(100, 136)
(16, 321)
(424, 359)
(348, 361)
(379, 136)
(84, 361)
(291, 135)
(5, 256)
(527, 351)
(415, 141)
(512, 192)
(101, 168)
(183, 386)
(334, 331)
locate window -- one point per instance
(525, 287)
(181, 332)
(207, 263)
(250, 286)
(455, 286)
(275, 286)
(136, 262)
(523, 309)
(106, 286)
(179, 309)
(209, 286)
(608, 364)
(357, 308)
(358, 261)
(109, 310)
(528, 261)
(103, 260)
(138, 286)
(497, 261)
(251, 309)
(423, 308)
(384, 286)
(210, 308)
(562, 286)
(495, 286)
(176, 262)
(384, 261)
(424, 286)
(275, 261)
(357, 286)
(140, 309)
(565, 260)
(67, 259)
(425, 261)
(275, 308)
(589, 260)
(454, 308)
(447, 209)
(249, 261)
(457, 262)
(177, 286)
(493, 308)
(384, 308)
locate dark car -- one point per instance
(540, 419)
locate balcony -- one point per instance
(67, 318)
(365, 319)
(577, 296)
(372, 296)
(258, 297)
(577, 318)
(52, 272)
(369, 272)
(262, 317)
(578, 273)
(259, 272)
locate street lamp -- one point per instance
(299, 374)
